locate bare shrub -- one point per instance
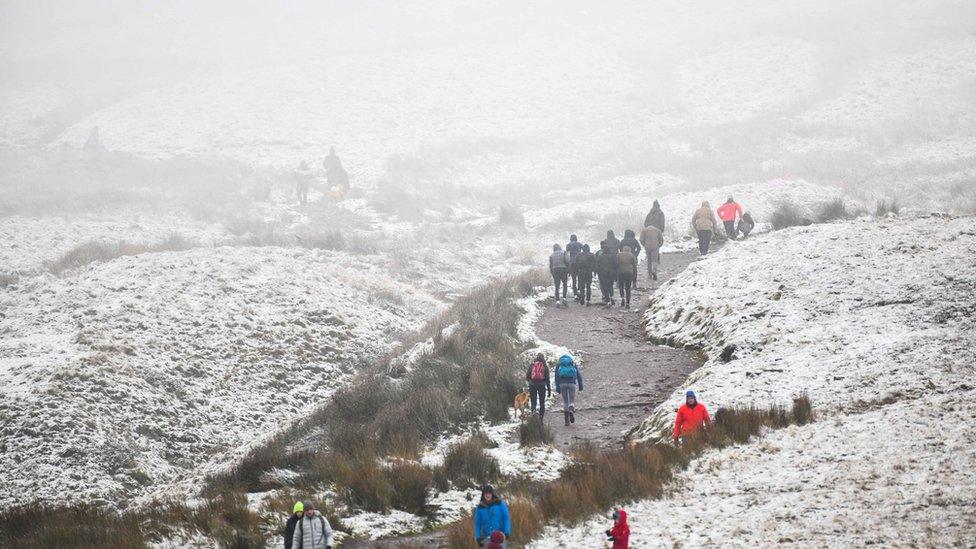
(787, 214)
(69, 526)
(95, 251)
(832, 210)
(534, 432)
(885, 206)
(802, 410)
(468, 464)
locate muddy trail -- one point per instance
(624, 376)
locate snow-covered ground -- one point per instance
(874, 320)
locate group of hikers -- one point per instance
(336, 177)
(615, 263)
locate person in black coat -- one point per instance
(606, 269)
(293, 522)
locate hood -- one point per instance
(629, 234)
(623, 517)
(656, 206)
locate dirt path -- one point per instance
(624, 376)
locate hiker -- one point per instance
(585, 267)
(627, 273)
(728, 213)
(613, 244)
(620, 533)
(490, 516)
(691, 416)
(746, 225)
(303, 181)
(559, 268)
(573, 249)
(568, 378)
(296, 515)
(539, 387)
(606, 270)
(496, 541)
(336, 176)
(652, 238)
(312, 531)
(331, 162)
(704, 223)
(655, 217)
(630, 241)
(94, 142)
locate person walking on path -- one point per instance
(728, 213)
(652, 238)
(691, 417)
(296, 515)
(613, 243)
(568, 379)
(585, 267)
(655, 217)
(313, 531)
(559, 268)
(705, 224)
(490, 516)
(573, 249)
(303, 182)
(630, 241)
(606, 270)
(620, 533)
(746, 225)
(539, 387)
(627, 271)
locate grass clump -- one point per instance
(885, 206)
(534, 432)
(787, 214)
(833, 210)
(467, 463)
(95, 251)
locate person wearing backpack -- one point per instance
(559, 269)
(627, 269)
(573, 249)
(568, 378)
(539, 387)
(585, 267)
(313, 531)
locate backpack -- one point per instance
(567, 371)
(301, 530)
(538, 371)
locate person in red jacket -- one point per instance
(728, 213)
(620, 533)
(691, 416)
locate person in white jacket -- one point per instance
(313, 531)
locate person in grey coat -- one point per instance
(313, 531)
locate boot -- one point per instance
(566, 418)
(572, 417)
(628, 304)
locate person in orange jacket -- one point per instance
(691, 416)
(620, 533)
(728, 213)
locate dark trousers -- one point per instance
(730, 229)
(704, 239)
(584, 284)
(537, 393)
(560, 276)
(626, 281)
(574, 275)
(606, 288)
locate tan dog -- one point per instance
(521, 404)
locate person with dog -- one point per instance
(490, 516)
(585, 267)
(627, 271)
(705, 225)
(539, 387)
(312, 531)
(691, 417)
(728, 213)
(655, 217)
(559, 269)
(606, 270)
(573, 249)
(568, 379)
(620, 533)
(652, 238)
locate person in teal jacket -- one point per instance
(491, 515)
(568, 378)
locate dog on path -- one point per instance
(521, 404)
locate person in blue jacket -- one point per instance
(568, 378)
(491, 515)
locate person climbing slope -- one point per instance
(705, 225)
(585, 267)
(630, 241)
(606, 270)
(490, 516)
(620, 533)
(652, 238)
(655, 217)
(627, 273)
(573, 249)
(568, 379)
(691, 417)
(539, 387)
(559, 268)
(728, 213)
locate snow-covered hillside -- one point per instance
(874, 320)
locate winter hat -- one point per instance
(298, 508)
(308, 505)
(690, 393)
(497, 536)
(656, 204)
